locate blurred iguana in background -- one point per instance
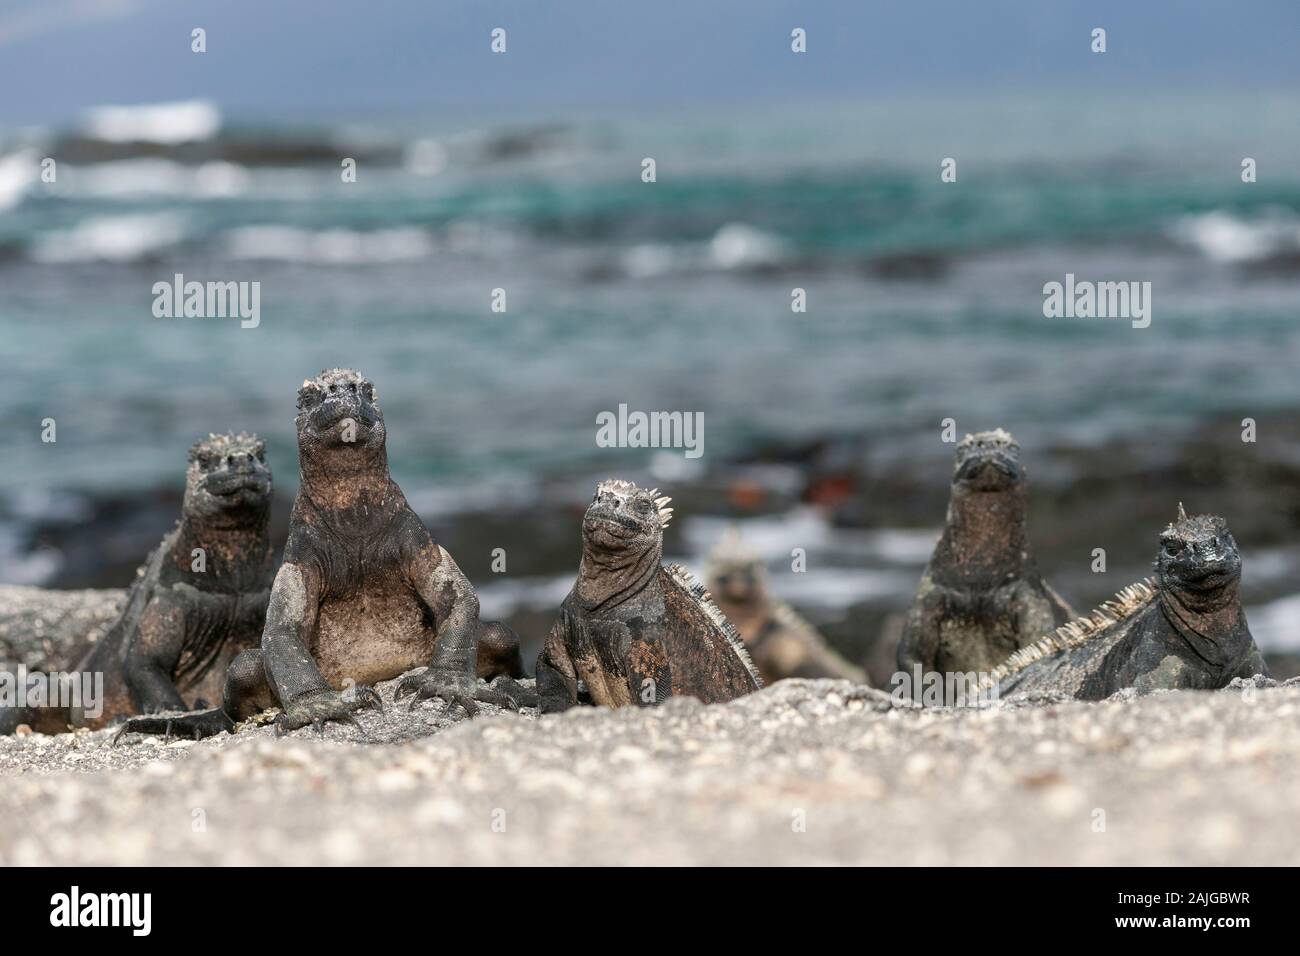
(781, 643)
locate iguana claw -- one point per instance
(325, 705)
(459, 692)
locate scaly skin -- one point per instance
(1185, 629)
(364, 593)
(781, 643)
(981, 597)
(632, 632)
(180, 627)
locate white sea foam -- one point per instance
(184, 121)
(735, 246)
(330, 246)
(110, 238)
(738, 245)
(500, 596)
(772, 537)
(19, 566)
(426, 157)
(1226, 238)
(838, 588)
(133, 178)
(1273, 625)
(17, 173)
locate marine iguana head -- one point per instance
(622, 541)
(1199, 562)
(227, 482)
(987, 462)
(984, 541)
(735, 573)
(625, 518)
(340, 425)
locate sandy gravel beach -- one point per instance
(802, 772)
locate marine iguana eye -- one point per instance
(1173, 547)
(643, 506)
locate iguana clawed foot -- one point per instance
(320, 706)
(206, 723)
(457, 690)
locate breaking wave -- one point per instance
(168, 124)
(127, 238)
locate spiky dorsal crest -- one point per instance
(998, 437)
(1122, 606)
(627, 489)
(700, 594)
(337, 377)
(219, 446)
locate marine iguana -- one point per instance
(198, 601)
(981, 597)
(364, 594)
(632, 631)
(781, 643)
(1184, 628)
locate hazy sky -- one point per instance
(307, 57)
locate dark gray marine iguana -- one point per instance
(198, 601)
(1184, 628)
(781, 643)
(981, 597)
(632, 631)
(364, 594)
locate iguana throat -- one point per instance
(1208, 622)
(984, 541)
(608, 578)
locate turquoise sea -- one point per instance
(924, 298)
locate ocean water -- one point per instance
(924, 298)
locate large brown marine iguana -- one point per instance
(632, 631)
(1184, 628)
(781, 643)
(981, 597)
(198, 601)
(364, 593)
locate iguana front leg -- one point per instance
(557, 679)
(452, 673)
(1252, 664)
(152, 655)
(304, 695)
(918, 648)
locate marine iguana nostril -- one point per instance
(1184, 628)
(199, 600)
(981, 597)
(364, 593)
(632, 631)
